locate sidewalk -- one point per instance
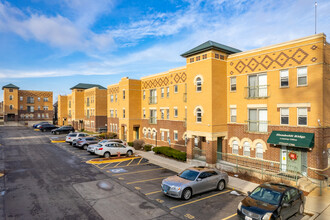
(177, 166)
(317, 205)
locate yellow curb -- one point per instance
(93, 161)
(37, 129)
(57, 141)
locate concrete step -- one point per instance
(305, 184)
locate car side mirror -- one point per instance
(286, 205)
(249, 193)
(199, 179)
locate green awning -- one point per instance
(292, 139)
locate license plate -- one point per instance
(248, 218)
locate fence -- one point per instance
(199, 154)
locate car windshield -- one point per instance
(103, 141)
(189, 175)
(72, 135)
(266, 195)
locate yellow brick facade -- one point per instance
(62, 110)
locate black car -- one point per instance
(63, 130)
(271, 201)
(40, 123)
(47, 127)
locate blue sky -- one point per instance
(53, 45)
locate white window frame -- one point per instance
(144, 94)
(162, 92)
(116, 98)
(175, 135)
(282, 115)
(162, 114)
(175, 112)
(124, 94)
(283, 74)
(11, 97)
(247, 149)
(21, 98)
(176, 88)
(232, 115)
(167, 114)
(162, 136)
(259, 150)
(198, 115)
(305, 74)
(302, 116)
(111, 98)
(167, 92)
(124, 113)
(144, 113)
(235, 147)
(198, 84)
(21, 107)
(231, 84)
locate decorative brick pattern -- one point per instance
(165, 80)
(113, 90)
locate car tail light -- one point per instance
(101, 148)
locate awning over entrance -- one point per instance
(292, 139)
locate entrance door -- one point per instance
(294, 162)
(136, 133)
(283, 158)
(219, 148)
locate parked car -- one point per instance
(108, 149)
(91, 147)
(73, 136)
(193, 181)
(40, 123)
(85, 141)
(271, 201)
(46, 127)
(63, 130)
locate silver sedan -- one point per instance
(193, 181)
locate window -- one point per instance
(198, 115)
(30, 100)
(216, 56)
(191, 60)
(175, 112)
(111, 113)
(144, 94)
(69, 104)
(259, 151)
(168, 136)
(144, 113)
(153, 96)
(38, 99)
(162, 92)
(162, 113)
(123, 94)
(198, 58)
(87, 101)
(233, 84)
(233, 114)
(222, 57)
(284, 116)
(39, 107)
(116, 98)
(124, 113)
(284, 77)
(302, 116)
(167, 114)
(10, 97)
(21, 98)
(162, 136)
(111, 98)
(235, 147)
(204, 56)
(154, 134)
(176, 89)
(175, 135)
(42, 115)
(168, 91)
(21, 107)
(257, 86)
(87, 113)
(116, 113)
(258, 120)
(47, 115)
(11, 90)
(153, 116)
(11, 107)
(45, 107)
(30, 108)
(45, 99)
(198, 84)
(246, 149)
(38, 115)
(302, 76)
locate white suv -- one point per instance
(73, 136)
(112, 148)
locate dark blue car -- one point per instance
(271, 201)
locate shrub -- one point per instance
(137, 144)
(147, 147)
(130, 144)
(109, 135)
(170, 152)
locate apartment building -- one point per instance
(278, 105)
(26, 106)
(84, 108)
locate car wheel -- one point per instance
(42, 130)
(85, 147)
(221, 185)
(129, 153)
(107, 155)
(301, 209)
(186, 194)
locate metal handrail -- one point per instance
(326, 178)
(254, 92)
(257, 125)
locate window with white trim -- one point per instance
(259, 151)
(176, 89)
(258, 120)
(168, 91)
(45, 99)
(10, 97)
(233, 84)
(116, 98)
(124, 113)
(162, 113)
(46, 108)
(111, 113)
(21, 107)
(175, 112)
(233, 114)
(246, 149)
(302, 116)
(162, 92)
(111, 98)
(198, 84)
(116, 113)
(144, 94)
(124, 94)
(144, 113)
(284, 78)
(302, 76)
(21, 98)
(175, 135)
(162, 135)
(284, 116)
(235, 147)
(154, 134)
(167, 113)
(168, 136)
(198, 115)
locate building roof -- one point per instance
(10, 86)
(209, 45)
(86, 86)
